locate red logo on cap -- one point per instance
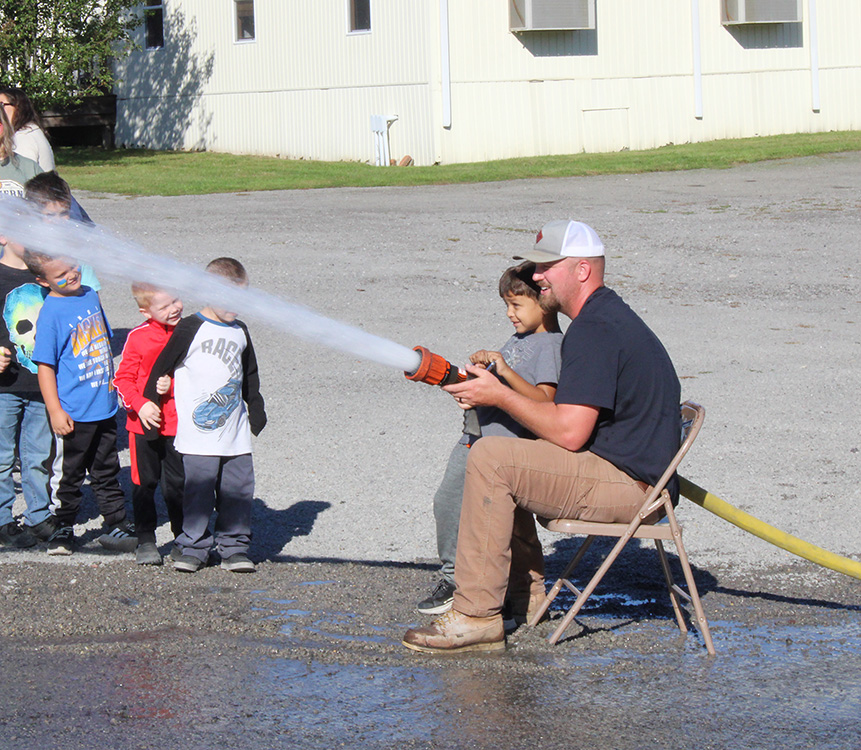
(539, 237)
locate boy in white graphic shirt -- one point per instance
(219, 407)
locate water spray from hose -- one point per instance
(114, 257)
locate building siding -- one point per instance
(305, 88)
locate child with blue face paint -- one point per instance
(75, 373)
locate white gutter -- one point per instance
(814, 56)
(445, 70)
(697, 55)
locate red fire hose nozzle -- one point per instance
(435, 370)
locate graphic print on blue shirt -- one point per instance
(20, 313)
(214, 411)
(73, 337)
(89, 340)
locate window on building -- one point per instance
(360, 15)
(244, 20)
(154, 24)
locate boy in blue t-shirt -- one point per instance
(75, 372)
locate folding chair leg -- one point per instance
(596, 579)
(692, 586)
(695, 599)
(562, 581)
(668, 577)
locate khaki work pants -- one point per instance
(507, 481)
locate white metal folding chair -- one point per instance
(657, 504)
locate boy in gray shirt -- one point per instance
(529, 362)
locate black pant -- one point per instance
(153, 462)
(90, 447)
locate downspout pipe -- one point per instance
(697, 54)
(445, 69)
(814, 55)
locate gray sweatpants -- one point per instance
(224, 484)
(446, 509)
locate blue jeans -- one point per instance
(24, 421)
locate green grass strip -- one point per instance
(142, 172)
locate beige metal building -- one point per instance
(472, 80)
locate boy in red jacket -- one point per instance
(151, 460)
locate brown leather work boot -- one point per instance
(522, 608)
(455, 632)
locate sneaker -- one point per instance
(175, 552)
(455, 632)
(439, 601)
(62, 541)
(187, 564)
(146, 553)
(238, 563)
(121, 537)
(13, 535)
(45, 529)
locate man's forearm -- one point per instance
(567, 425)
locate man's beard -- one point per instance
(549, 302)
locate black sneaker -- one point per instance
(147, 553)
(121, 537)
(439, 601)
(45, 529)
(62, 541)
(13, 535)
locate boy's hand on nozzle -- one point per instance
(150, 415)
(162, 385)
(483, 389)
(5, 358)
(61, 423)
(486, 359)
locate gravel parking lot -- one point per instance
(750, 278)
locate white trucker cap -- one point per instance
(564, 238)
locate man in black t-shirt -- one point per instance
(609, 434)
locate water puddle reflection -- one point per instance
(798, 684)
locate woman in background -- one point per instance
(15, 170)
(30, 139)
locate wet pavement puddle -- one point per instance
(770, 685)
(318, 664)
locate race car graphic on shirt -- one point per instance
(212, 413)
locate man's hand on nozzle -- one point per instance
(482, 389)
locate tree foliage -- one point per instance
(61, 50)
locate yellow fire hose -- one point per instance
(754, 526)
